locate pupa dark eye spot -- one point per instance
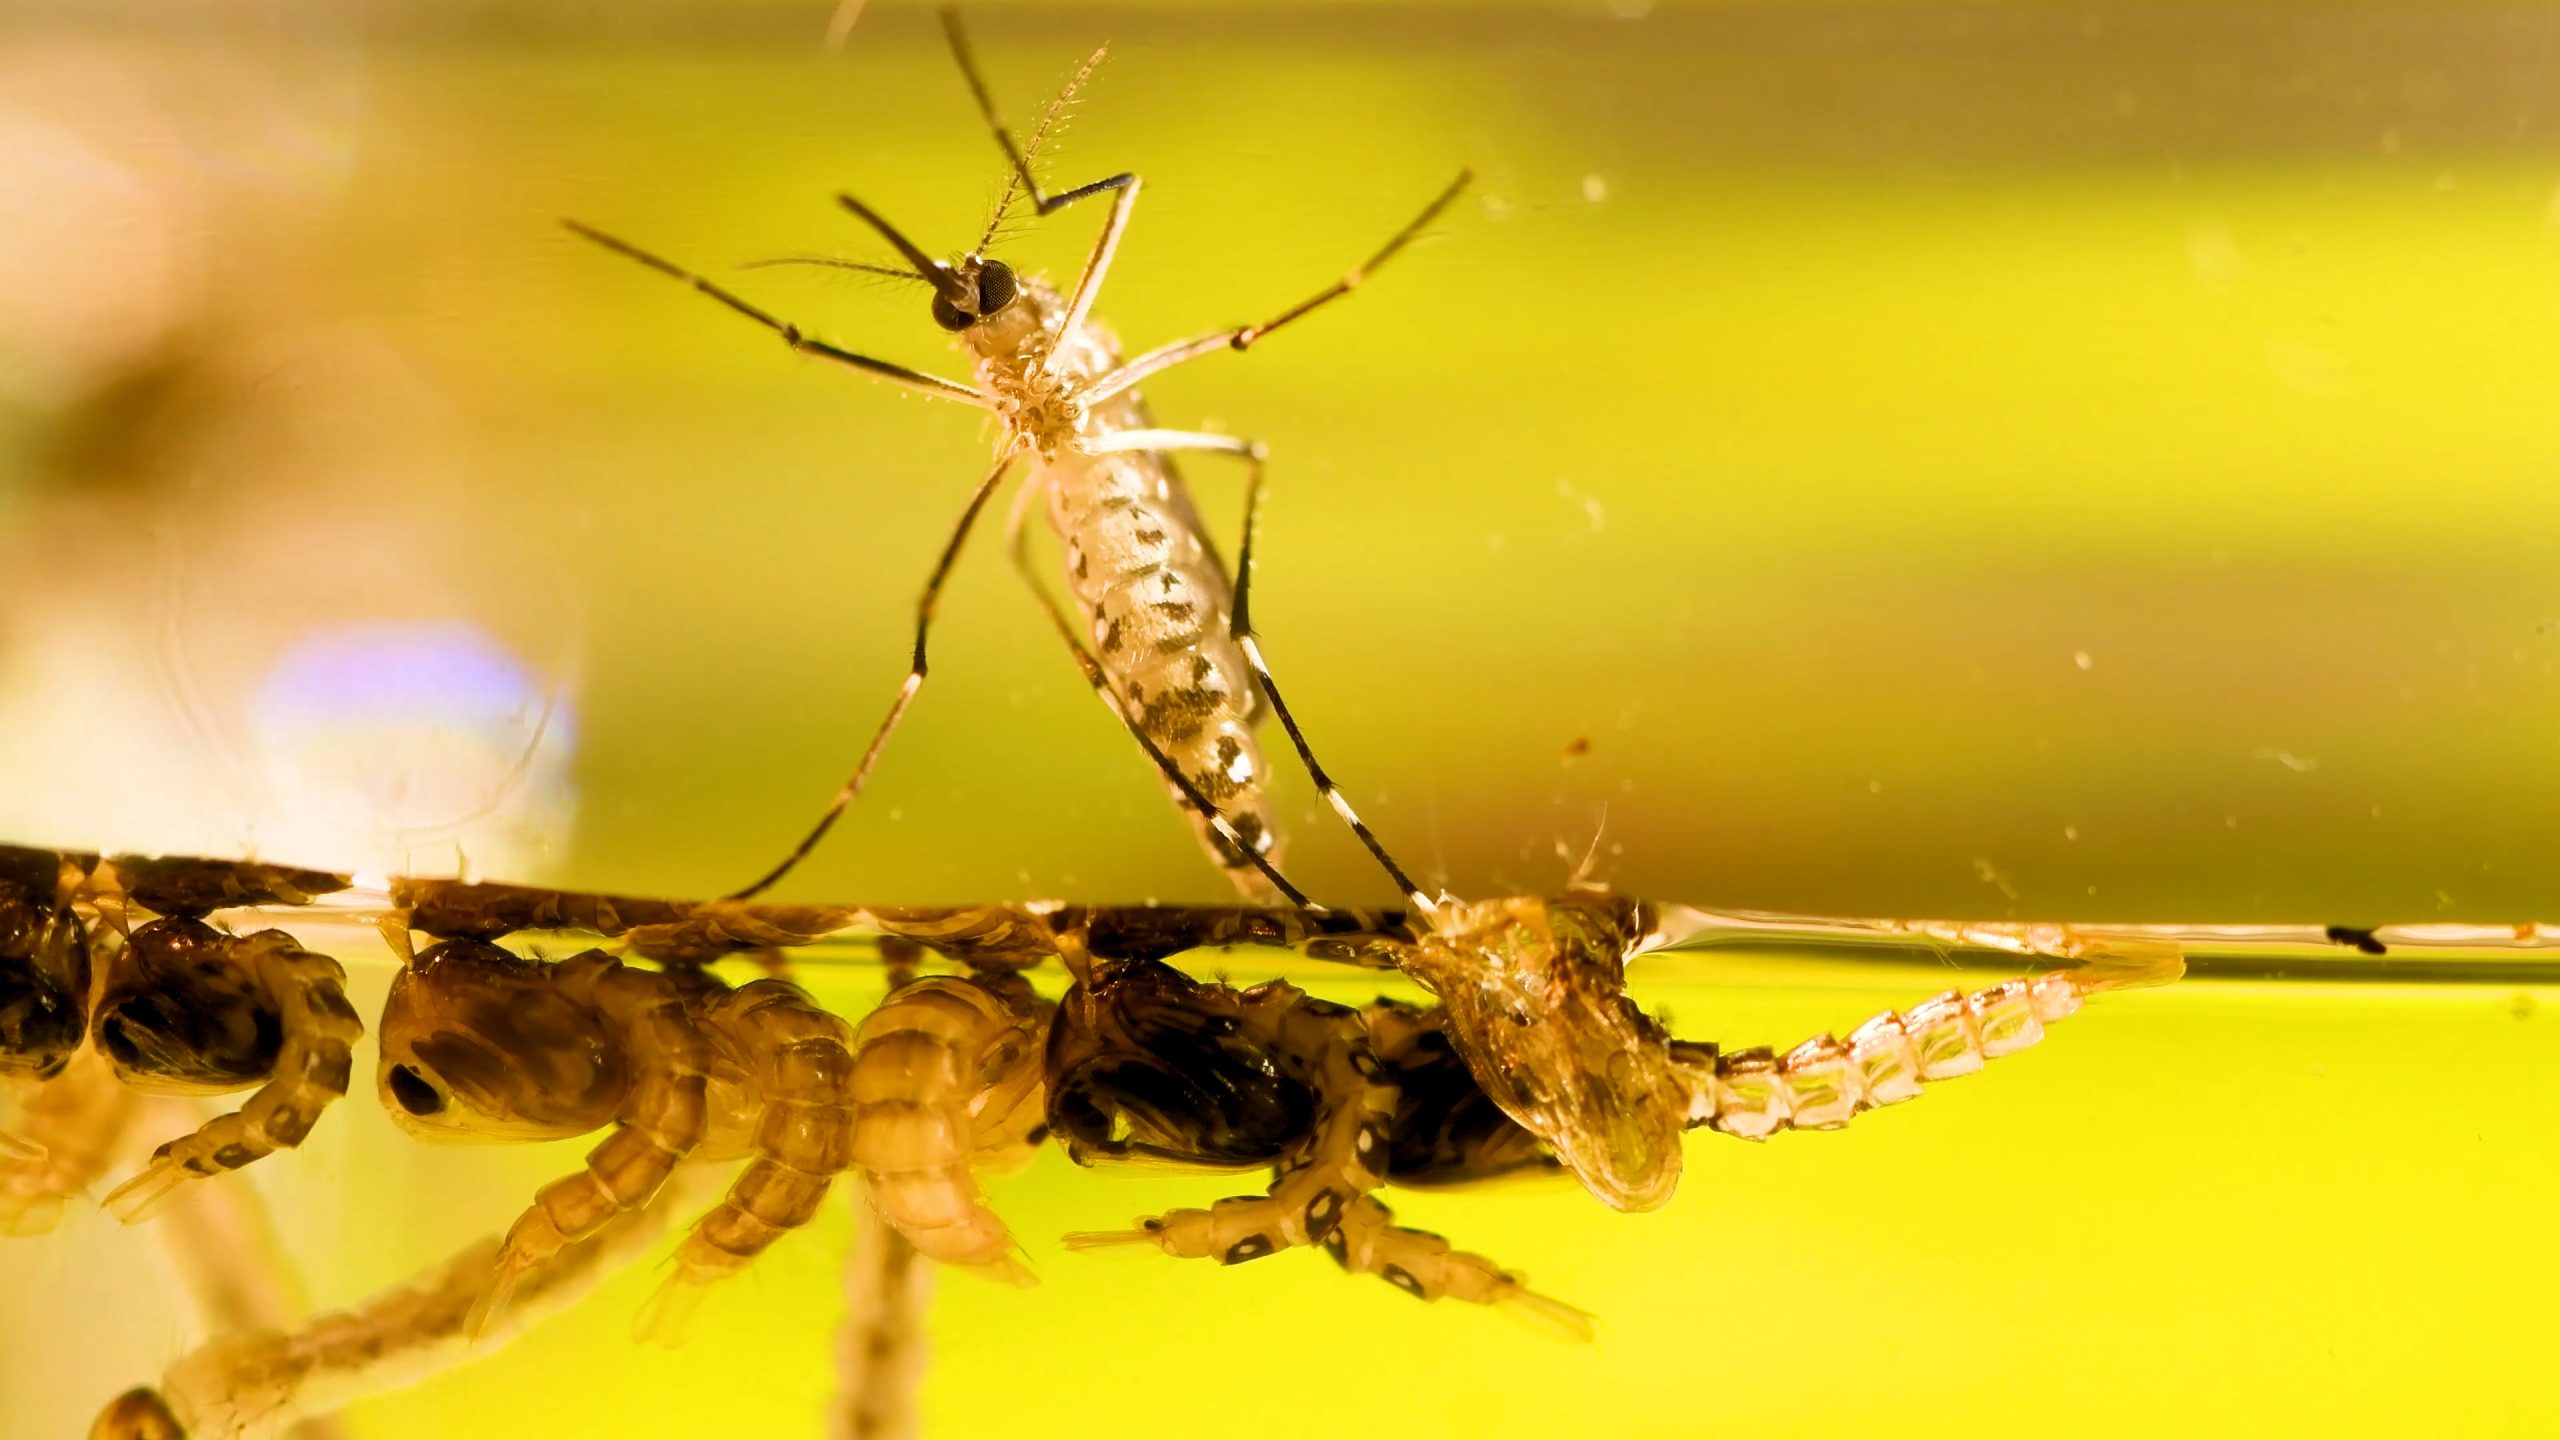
(414, 1093)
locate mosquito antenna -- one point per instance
(832, 263)
(940, 276)
(1021, 181)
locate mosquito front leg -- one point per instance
(792, 335)
(851, 790)
(1017, 544)
(311, 1071)
(1343, 1158)
(1244, 337)
(1825, 1082)
(1240, 624)
(1124, 185)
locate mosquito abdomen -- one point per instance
(1157, 604)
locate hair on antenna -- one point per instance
(1052, 120)
(833, 262)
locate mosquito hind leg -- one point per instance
(1252, 453)
(851, 790)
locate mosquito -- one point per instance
(1157, 629)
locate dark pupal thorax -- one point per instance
(177, 1016)
(1143, 1055)
(480, 1043)
(44, 973)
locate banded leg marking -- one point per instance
(1240, 626)
(851, 790)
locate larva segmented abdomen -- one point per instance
(920, 1060)
(1825, 1082)
(802, 1058)
(1157, 605)
(663, 1121)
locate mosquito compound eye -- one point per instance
(948, 316)
(995, 287)
(414, 1093)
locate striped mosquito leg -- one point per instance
(311, 1071)
(1825, 1082)
(1421, 1264)
(1240, 625)
(851, 790)
(1345, 1158)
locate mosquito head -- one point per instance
(979, 289)
(965, 291)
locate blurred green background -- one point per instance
(2038, 459)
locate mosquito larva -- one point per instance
(257, 1383)
(1157, 627)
